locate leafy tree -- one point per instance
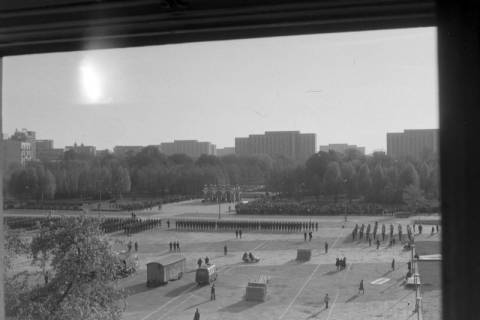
(378, 183)
(364, 179)
(83, 274)
(408, 176)
(413, 197)
(333, 179)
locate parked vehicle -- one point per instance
(169, 268)
(206, 274)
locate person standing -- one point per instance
(197, 315)
(378, 244)
(393, 264)
(212, 292)
(236, 234)
(136, 246)
(326, 300)
(170, 245)
(199, 262)
(178, 245)
(361, 288)
(168, 224)
(225, 249)
(326, 247)
(305, 236)
(310, 236)
(240, 233)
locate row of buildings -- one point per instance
(23, 146)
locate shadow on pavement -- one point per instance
(329, 273)
(314, 315)
(177, 291)
(352, 298)
(239, 306)
(293, 262)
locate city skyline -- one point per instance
(345, 87)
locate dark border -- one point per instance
(91, 24)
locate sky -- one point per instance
(345, 87)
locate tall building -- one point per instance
(291, 144)
(16, 153)
(46, 152)
(412, 143)
(123, 151)
(225, 151)
(82, 149)
(342, 147)
(27, 136)
(191, 148)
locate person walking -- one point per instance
(212, 292)
(361, 288)
(196, 316)
(178, 245)
(310, 236)
(337, 263)
(378, 244)
(326, 300)
(225, 249)
(326, 247)
(170, 245)
(199, 262)
(393, 264)
(168, 224)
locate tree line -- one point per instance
(376, 178)
(148, 172)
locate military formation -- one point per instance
(248, 225)
(368, 233)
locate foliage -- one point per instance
(82, 274)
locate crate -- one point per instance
(304, 254)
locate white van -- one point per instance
(206, 274)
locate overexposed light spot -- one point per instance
(91, 82)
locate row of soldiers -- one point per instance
(250, 225)
(142, 225)
(360, 232)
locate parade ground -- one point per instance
(295, 290)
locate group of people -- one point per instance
(367, 232)
(129, 246)
(238, 233)
(174, 246)
(200, 262)
(310, 236)
(249, 225)
(341, 263)
(249, 257)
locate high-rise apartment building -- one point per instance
(46, 152)
(412, 143)
(191, 148)
(342, 147)
(292, 144)
(16, 153)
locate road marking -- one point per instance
(178, 304)
(259, 246)
(338, 291)
(168, 302)
(380, 281)
(306, 282)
